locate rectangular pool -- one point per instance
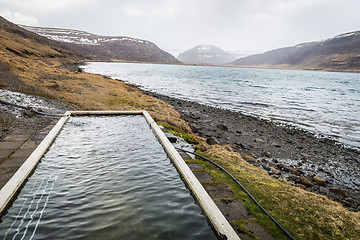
(105, 177)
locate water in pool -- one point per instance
(105, 178)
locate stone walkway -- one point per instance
(233, 209)
(16, 147)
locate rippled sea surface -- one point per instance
(102, 179)
(325, 103)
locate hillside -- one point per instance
(106, 47)
(24, 47)
(340, 53)
(206, 54)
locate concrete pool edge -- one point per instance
(16, 181)
(222, 227)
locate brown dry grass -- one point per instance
(304, 214)
(84, 91)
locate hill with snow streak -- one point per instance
(206, 54)
(107, 47)
(339, 53)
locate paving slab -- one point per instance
(16, 137)
(6, 174)
(204, 177)
(4, 153)
(22, 153)
(255, 228)
(233, 210)
(184, 156)
(22, 132)
(218, 190)
(10, 145)
(38, 137)
(13, 162)
(29, 145)
(195, 166)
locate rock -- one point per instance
(223, 127)
(266, 167)
(29, 113)
(307, 181)
(194, 129)
(320, 181)
(280, 166)
(296, 171)
(324, 191)
(338, 191)
(346, 203)
(286, 168)
(258, 140)
(301, 186)
(350, 200)
(311, 174)
(275, 171)
(171, 137)
(246, 147)
(293, 178)
(212, 141)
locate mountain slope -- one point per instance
(206, 54)
(340, 53)
(106, 47)
(21, 42)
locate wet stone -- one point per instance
(203, 177)
(219, 190)
(233, 210)
(4, 153)
(195, 166)
(341, 192)
(13, 162)
(15, 138)
(307, 181)
(22, 153)
(320, 181)
(184, 155)
(212, 141)
(10, 145)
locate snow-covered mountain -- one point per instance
(107, 47)
(339, 53)
(206, 54)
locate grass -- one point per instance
(189, 138)
(303, 214)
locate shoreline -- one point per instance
(316, 164)
(319, 165)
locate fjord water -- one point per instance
(105, 178)
(326, 103)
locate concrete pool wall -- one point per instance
(218, 221)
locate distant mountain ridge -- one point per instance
(206, 54)
(107, 47)
(339, 53)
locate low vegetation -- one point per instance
(304, 214)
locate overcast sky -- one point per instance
(250, 25)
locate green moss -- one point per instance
(263, 219)
(174, 130)
(242, 229)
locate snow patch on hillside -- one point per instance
(81, 37)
